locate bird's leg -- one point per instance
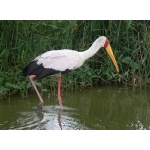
(59, 91)
(31, 77)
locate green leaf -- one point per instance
(14, 86)
(45, 90)
(37, 83)
(134, 65)
(29, 85)
(126, 60)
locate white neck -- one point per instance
(94, 48)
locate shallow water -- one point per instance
(100, 108)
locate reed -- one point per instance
(21, 41)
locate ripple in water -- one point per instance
(50, 118)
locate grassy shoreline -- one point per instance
(21, 41)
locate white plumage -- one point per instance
(68, 59)
(60, 59)
(61, 62)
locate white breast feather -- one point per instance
(60, 59)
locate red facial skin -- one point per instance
(106, 43)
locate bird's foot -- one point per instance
(39, 107)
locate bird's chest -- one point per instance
(78, 64)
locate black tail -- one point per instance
(31, 68)
(34, 69)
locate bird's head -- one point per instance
(110, 53)
(102, 41)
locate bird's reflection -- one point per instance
(49, 119)
(59, 118)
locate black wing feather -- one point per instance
(34, 69)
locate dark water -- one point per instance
(101, 108)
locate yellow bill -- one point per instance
(110, 53)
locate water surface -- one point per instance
(100, 108)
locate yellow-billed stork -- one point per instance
(61, 62)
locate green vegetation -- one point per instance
(21, 41)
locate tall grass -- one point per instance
(21, 41)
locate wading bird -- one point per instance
(61, 62)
